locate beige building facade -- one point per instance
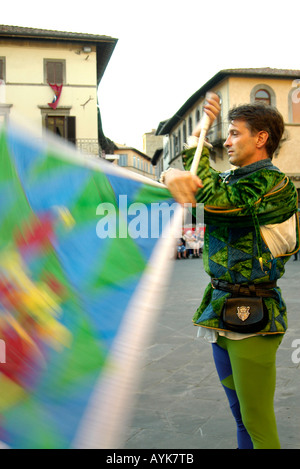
(152, 142)
(51, 78)
(133, 160)
(277, 87)
(153, 147)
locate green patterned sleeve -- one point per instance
(216, 192)
(209, 176)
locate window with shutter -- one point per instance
(57, 125)
(54, 71)
(123, 160)
(2, 68)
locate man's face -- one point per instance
(240, 144)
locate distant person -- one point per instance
(181, 252)
(189, 242)
(199, 241)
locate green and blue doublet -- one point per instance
(236, 204)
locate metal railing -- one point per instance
(89, 146)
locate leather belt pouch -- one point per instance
(245, 314)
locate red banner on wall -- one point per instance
(57, 92)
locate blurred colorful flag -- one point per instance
(83, 261)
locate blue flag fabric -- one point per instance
(82, 263)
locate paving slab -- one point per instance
(180, 403)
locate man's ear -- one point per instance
(262, 138)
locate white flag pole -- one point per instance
(205, 122)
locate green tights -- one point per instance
(247, 370)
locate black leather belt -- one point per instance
(250, 289)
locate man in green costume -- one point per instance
(251, 231)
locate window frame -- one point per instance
(294, 99)
(3, 61)
(62, 62)
(123, 159)
(263, 87)
(266, 100)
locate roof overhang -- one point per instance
(165, 127)
(156, 156)
(104, 44)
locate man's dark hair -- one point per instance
(259, 116)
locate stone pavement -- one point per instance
(180, 403)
